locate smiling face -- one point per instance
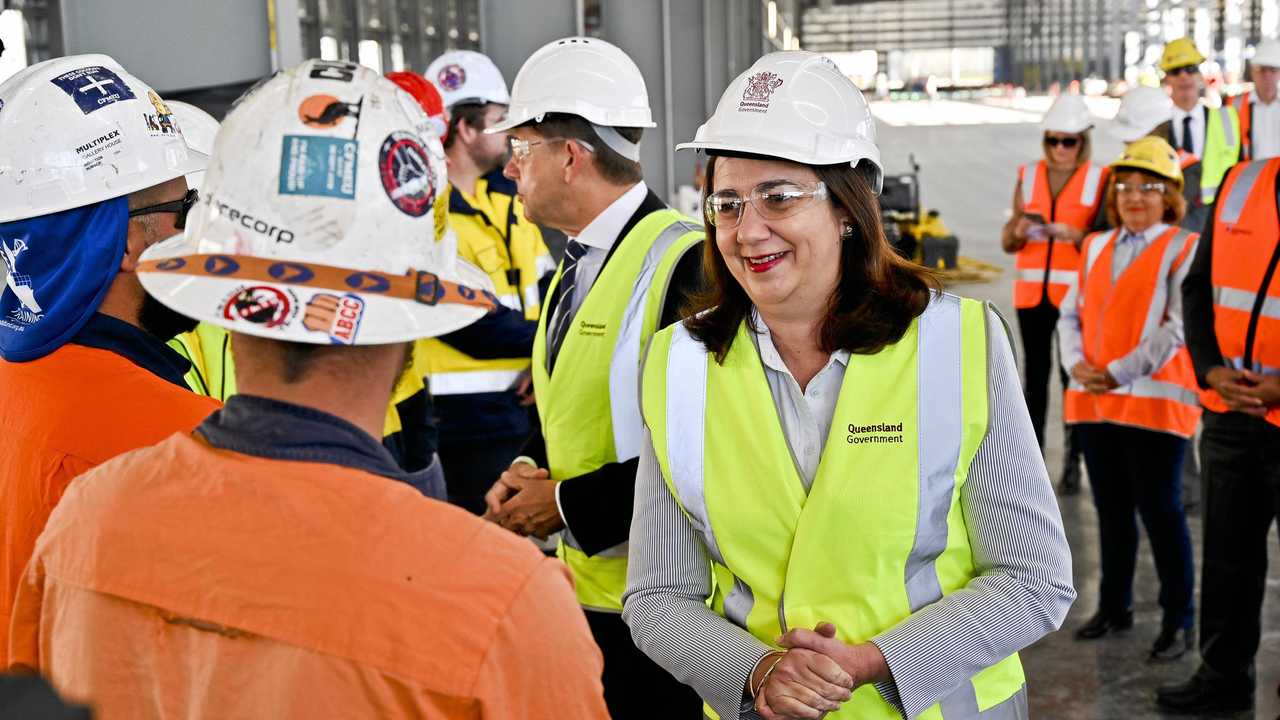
(789, 266)
(1139, 209)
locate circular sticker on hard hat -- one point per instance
(326, 111)
(452, 77)
(261, 305)
(406, 173)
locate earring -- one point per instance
(846, 232)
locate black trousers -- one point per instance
(471, 467)
(635, 686)
(1134, 469)
(1240, 467)
(1037, 326)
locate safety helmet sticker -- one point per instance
(326, 111)
(93, 87)
(406, 174)
(452, 77)
(318, 166)
(755, 96)
(337, 316)
(261, 305)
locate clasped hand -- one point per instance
(1094, 380)
(523, 500)
(1245, 391)
(816, 674)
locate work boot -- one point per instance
(1104, 623)
(1171, 644)
(1070, 482)
(1205, 693)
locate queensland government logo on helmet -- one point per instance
(755, 97)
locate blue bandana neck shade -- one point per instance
(56, 269)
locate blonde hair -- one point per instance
(1175, 206)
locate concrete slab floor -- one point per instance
(968, 173)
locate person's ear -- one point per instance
(575, 158)
(134, 244)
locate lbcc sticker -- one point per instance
(337, 316)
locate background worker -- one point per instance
(1208, 140)
(1143, 111)
(1132, 395)
(480, 377)
(578, 109)
(406, 606)
(1233, 333)
(1055, 202)
(86, 185)
(911, 443)
(1258, 110)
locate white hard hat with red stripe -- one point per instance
(78, 130)
(318, 221)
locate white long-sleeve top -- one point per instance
(1157, 348)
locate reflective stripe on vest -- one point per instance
(1245, 233)
(1040, 260)
(1220, 152)
(907, 425)
(589, 407)
(480, 229)
(1166, 400)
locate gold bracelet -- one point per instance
(764, 678)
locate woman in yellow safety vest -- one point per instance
(840, 507)
(1055, 204)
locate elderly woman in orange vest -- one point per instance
(1056, 202)
(1132, 396)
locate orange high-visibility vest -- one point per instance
(1114, 319)
(1046, 266)
(1244, 110)
(1245, 235)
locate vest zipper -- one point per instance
(1261, 296)
(1053, 212)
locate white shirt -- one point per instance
(806, 415)
(1197, 128)
(1154, 350)
(1265, 128)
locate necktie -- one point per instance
(1186, 136)
(573, 252)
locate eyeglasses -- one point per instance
(520, 149)
(1066, 142)
(1188, 69)
(774, 200)
(1141, 188)
(181, 207)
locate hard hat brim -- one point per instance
(372, 319)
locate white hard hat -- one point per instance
(1266, 54)
(1142, 109)
(467, 77)
(796, 106)
(199, 128)
(581, 76)
(318, 220)
(1067, 114)
(78, 130)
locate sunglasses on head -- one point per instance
(1189, 70)
(1066, 142)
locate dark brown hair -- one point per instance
(612, 166)
(470, 113)
(1175, 206)
(878, 295)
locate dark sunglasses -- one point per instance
(180, 207)
(1189, 69)
(1067, 142)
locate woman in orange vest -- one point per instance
(1055, 203)
(1132, 396)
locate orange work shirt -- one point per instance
(186, 581)
(62, 414)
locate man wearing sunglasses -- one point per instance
(93, 175)
(1208, 141)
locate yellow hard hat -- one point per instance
(1179, 53)
(1151, 154)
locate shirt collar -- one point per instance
(769, 354)
(262, 427)
(135, 345)
(1146, 235)
(603, 231)
(1179, 113)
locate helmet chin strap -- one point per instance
(617, 143)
